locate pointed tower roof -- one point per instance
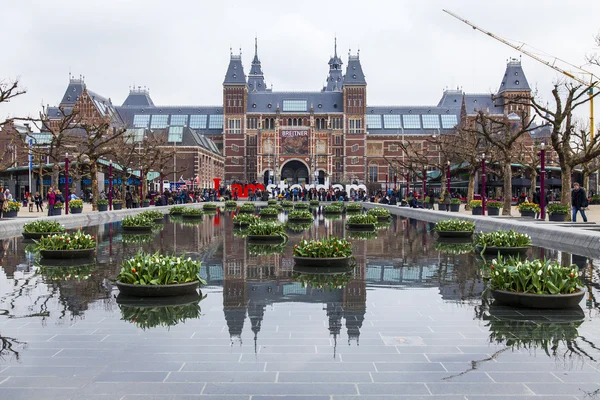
(138, 97)
(354, 73)
(514, 79)
(74, 90)
(256, 79)
(335, 80)
(235, 71)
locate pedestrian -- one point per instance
(431, 199)
(579, 202)
(447, 200)
(3, 203)
(38, 202)
(128, 199)
(51, 199)
(536, 200)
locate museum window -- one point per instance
(338, 165)
(234, 125)
(336, 123)
(355, 125)
(252, 123)
(252, 140)
(338, 139)
(338, 152)
(373, 171)
(269, 123)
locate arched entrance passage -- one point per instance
(294, 171)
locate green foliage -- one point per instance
(145, 317)
(454, 248)
(102, 202)
(354, 207)
(314, 203)
(300, 214)
(146, 201)
(78, 273)
(558, 208)
(209, 207)
(265, 250)
(77, 204)
(298, 227)
(595, 199)
(137, 239)
(526, 206)
(494, 204)
(271, 202)
(379, 212)
(159, 269)
(192, 211)
(287, 204)
(267, 229)
(43, 226)
(248, 207)
(269, 212)
(537, 276)
(58, 204)
(475, 203)
(301, 206)
(362, 219)
(455, 201)
(153, 214)
(176, 210)
(333, 208)
(323, 281)
(455, 225)
(67, 241)
(13, 206)
(245, 219)
(361, 235)
(137, 220)
(230, 204)
(503, 239)
(115, 201)
(324, 248)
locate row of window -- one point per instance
(409, 121)
(161, 121)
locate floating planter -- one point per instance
(454, 247)
(102, 205)
(330, 252)
(535, 284)
(454, 228)
(298, 227)
(176, 210)
(269, 212)
(44, 227)
(158, 275)
(230, 204)
(301, 206)
(267, 232)
(358, 235)
(271, 202)
(333, 209)
(137, 224)
(137, 238)
(159, 312)
(314, 203)
(287, 204)
(265, 250)
(244, 220)
(300, 216)
(362, 222)
(329, 281)
(75, 206)
(354, 207)
(67, 246)
(502, 242)
(192, 213)
(248, 208)
(380, 213)
(209, 207)
(155, 216)
(66, 273)
(528, 209)
(558, 212)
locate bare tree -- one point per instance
(9, 89)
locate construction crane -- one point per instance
(593, 79)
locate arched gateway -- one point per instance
(294, 171)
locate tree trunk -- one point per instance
(565, 180)
(506, 206)
(95, 193)
(444, 184)
(533, 176)
(586, 180)
(470, 190)
(55, 174)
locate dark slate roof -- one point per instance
(105, 107)
(138, 98)
(514, 79)
(322, 102)
(473, 102)
(256, 79)
(73, 92)
(235, 72)
(354, 73)
(335, 79)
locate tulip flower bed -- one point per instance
(245, 219)
(176, 210)
(230, 204)
(67, 241)
(328, 252)
(37, 229)
(379, 212)
(287, 204)
(300, 215)
(301, 206)
(209, 207)
(247, 208)
(354, 207)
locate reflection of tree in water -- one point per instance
(9, 347)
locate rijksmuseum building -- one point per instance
(331, 135)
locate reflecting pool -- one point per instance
(411, 317)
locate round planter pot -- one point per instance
(502, 250)
(360, 227)
(177, 289)
(455, 207)
(267, 239)
(137, 229)
(159, 220)
(442, 207)
(455, 234)
(300, 220)
(175, 213)
(476, 210)
(145, 205)
(528, 214)
(246, 211)
(547, 301)
(67, 254)
(38, 235)
(10, 214)
(493, 211)
(384, 219)
(117, 206)
(557, 217)
(268, 216)
(192, 216)
(322, 262)
(102, 207)
(75, 210)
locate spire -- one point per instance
(335, 78)
(256, 79)
(354, 73)
(235, 71)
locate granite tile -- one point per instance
(280, 388)
(221, 376)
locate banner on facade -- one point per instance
(294, 142)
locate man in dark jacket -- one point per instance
(579, 202)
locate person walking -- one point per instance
(579, 202)
(3, 203)
(38, 202)
(51, 199)
(447, 200)
(431, 199)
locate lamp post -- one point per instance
(424, 183)
(448, 177)
(141, 185)
(110, 185)
(542, 182)
(66, 183)
(386, 183)
(483, 202)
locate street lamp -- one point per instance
(448, 177)
(66, 183)
(542, 181)
(483, 202)
(110, 185)
(141, 185)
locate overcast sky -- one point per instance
(410, 50)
